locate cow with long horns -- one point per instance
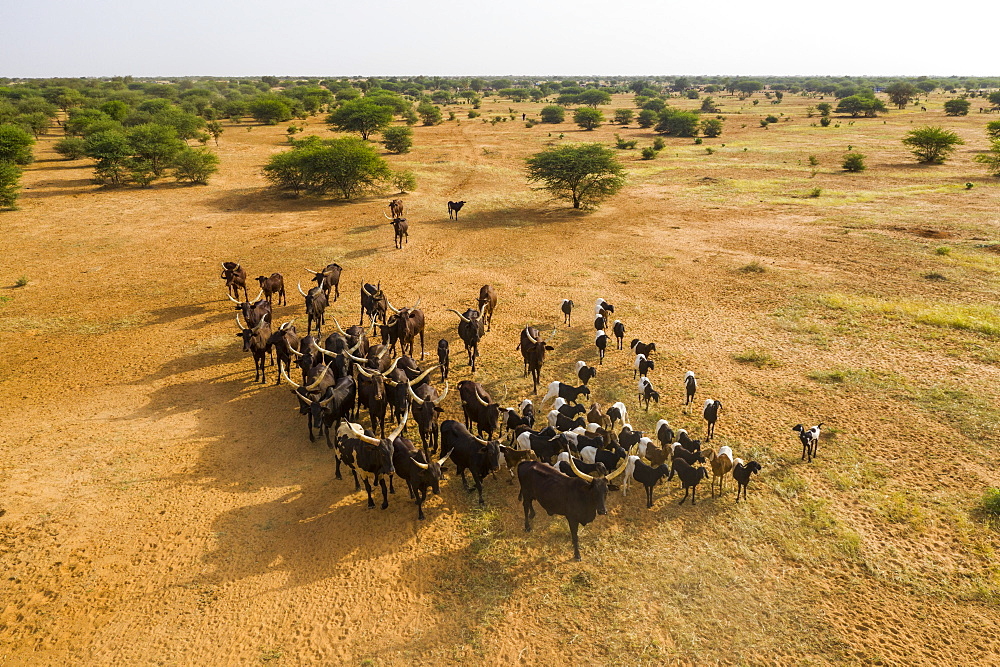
(329, 278)
(533, 348)
(372, 394)
(373, 303)
(255, 341)
(480, 457)
(373, 456)
(408, 323)
(479, 408)
(327, 404)
(471, 331)
(253, 311)
(418, 470)
(285, 342)
(235, 277)
(580, 499)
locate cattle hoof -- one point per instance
(385, 506)
(339, 477)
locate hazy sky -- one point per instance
(44, 38)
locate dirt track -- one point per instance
(162, 508)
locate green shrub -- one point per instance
(10, 183)
(648, 153)
(854, 162)
(430, 114)
(21, 281)
(15, 145)
(403, 181)
(474, 114)
(398, 139)
(989, 504)
(942, 250)
(957, 107)
(993, 129)
(758, 358)
(711, 127)
(195, 165)
(932, 145)
(824, 121)
(623, 116)
(553, 114)
(771, 118)
(588, 118)
(678, 123)
(813, 162)
(659, 144)
(647, 118)
(991, 159)
(71, 148)
(624, 144)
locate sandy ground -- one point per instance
(162, 508)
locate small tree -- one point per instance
(397, 139)
(71, 148)
(270, 109)
(901, 92)
(711, 127)
(678, 123)
(858, 105)
(647, 118)
(584, 173)
(824, 108)
(154, 146)
(957, 107)
(361, 115)
(593, 97)
(10, 183)
(112, 151)
(347, 165)
(15, 145)
(932, 145)
(195, 165)
(403, 181)
(708, 106)
(993, 129)
(553, 114)
(992, 158)
(623, 116)
(214, 128)
(994, 98)
(588, 118)
(854, 162)
(429, 114)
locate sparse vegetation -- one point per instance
(854, 162)
(757, 358)
(932, 145)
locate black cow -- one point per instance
(236, 279)
(619, 330)
(444, 358)
(314, 386)
(690, 476)
(374, 457)
(648, 476)
(567, 310)
(253, 311)
(285, 342)
(417, 470)
(545, 444)
(373, 303)
(426, 406)
(453, 208)
(478, 456)
(255, 341)
(478, 407)
(580, 499)
(471, 331)
(408, 324)
(316, 302)
(711, 414)
(401, 231)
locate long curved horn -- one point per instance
(299, 284)
(445, 393)
(394, 309)
(413, 397)
(257, 298)
(289, 380)
(620, 470)
(238, 265)
(422, 466)
(464, 318)
(391, 367)
(444, 458)
(582, 475)
(402, 424)
(287, 324)
(232, 299)
(355, 348)
(414, 306)
(420, 377)
(367, 291)
(326, 402)
(363, 371)
(359, 360)
(294, 351)
(386, 217)
(224, 267)
(325, 351)
(259, 324)
(359, 433)
(339, 328)
(527, 332)
(315, 273)
(480, 440)
(480, 399)
(322, 375)
(239, 324)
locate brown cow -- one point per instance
(487, 304)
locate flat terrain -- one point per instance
(161, 508)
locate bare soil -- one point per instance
(162, 508)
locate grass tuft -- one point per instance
(753, 267)
(758, 358)
(21, 282)
(982, 319)
(989, 504)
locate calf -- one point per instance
(453, 208)
(619, 330)
(566, 391)
(273, 285)
(236, 279)
(567, 310)
(690, 387)
(400, 231)
(809, 439)
(443, 358)
(480, 457)
(711, 414)
(584, 372)
(689, 476)
(510, 458)
(646, 475)
(645, 349)
(741, 473)
(601, 342)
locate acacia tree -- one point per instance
(347, 165)
(15, 145)
(583, 173)
(957, 107)
(361, 115)
(552, 114)
(900, 93)
(932, 145)
(588, 118)
(992, 158)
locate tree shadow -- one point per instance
(269, 200)
(509, 218)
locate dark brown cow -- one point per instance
(373, 303)
(453, 208)
(255, 341)
(400, 231)
(273, 285)
(478, 407)
(236, 279)
(329, 277)
(533, 348)
(471, 331)
(407, 323)
(426, 408)
(396, 208)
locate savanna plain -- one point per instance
(162, 508)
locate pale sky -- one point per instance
(47, 38)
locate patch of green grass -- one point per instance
(901, 507)
(758, 358)
(753, 267)
(271, 654)
(942, 250)
(989, 504)
(977, 418)
(982, 319)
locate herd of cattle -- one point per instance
(568, 466)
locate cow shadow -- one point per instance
(504, 218)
